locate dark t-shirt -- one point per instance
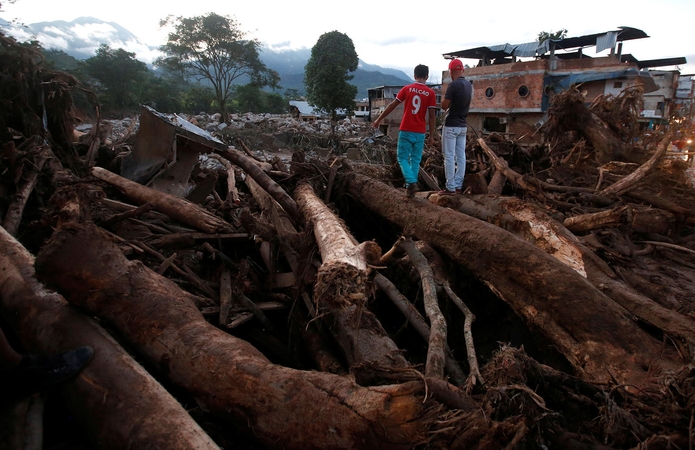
(459, 92)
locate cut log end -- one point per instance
(339, 285)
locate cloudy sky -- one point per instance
(398, 34)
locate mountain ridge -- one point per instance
(81, 37)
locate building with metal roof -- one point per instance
(514, 84)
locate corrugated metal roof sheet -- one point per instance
(304, 108)
(530, 49)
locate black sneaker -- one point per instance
(411, 190)
(37, 372)
(446, 192)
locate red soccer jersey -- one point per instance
(416, 98)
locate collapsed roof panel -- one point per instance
(602, 41)
(166, 150)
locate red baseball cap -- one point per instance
(455, 64)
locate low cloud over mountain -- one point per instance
(81, 37)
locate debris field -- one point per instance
(265, 283)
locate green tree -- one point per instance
(120, 78)
(326, 75)
(163, 94)
(215, 49)
(248, 98)
(198, 99)
(59, 60)
(545, 35)
(275, 103)
(292, 94)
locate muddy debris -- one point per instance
(269, 287)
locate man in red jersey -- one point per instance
(418, 100)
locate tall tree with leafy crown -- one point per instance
(553, 35)
(326, 74)
(214, 48)
(119, 76)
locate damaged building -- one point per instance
(512, 96)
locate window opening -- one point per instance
(494, 124)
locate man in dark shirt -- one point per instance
(457, 101)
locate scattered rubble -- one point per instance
(275, 291)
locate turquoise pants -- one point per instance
(409, 154)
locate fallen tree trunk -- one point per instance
(569, 112)
(175, 207)
(596, 335)
(228, 377)
(533, 225)
(434, 367)
(629, 182)
(16, 208)
(419, 324)
(341, 289)
(116, 401)
(637, 219)
(609, 218)
(267, 183)
(232, 193)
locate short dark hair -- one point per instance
(422, 71)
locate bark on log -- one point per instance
(232, 192)
(282, 407)
(341, 289)
(607, 145)
(475, 375)
(419, 324)
(116, 218)
(596, 335)
(604, 219)
(116, 401)
(636, 219)
(629, 182)
(569, 112)
(267, 183)
(531, 224)
(496, 185)
(287, 235)
(434, 366)
(13, 217)
(661, 203)
(502, 167)
(175, 207)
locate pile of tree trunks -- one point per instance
(311, 306)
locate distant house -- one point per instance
(685, 97)
(362, 110)
(660, 105)
(301, 110)
(512, 96)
